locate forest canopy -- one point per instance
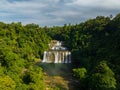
(94, 44)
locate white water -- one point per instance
(57, 54)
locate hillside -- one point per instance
(95, 51)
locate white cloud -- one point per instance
(55, 12)
(107, 4)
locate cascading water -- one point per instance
(57, 54)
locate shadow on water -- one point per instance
(61, 70)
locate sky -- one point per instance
(55, 12)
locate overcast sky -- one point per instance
(55, 12)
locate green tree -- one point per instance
(6, 83)
(34, 78)
(103, 78)
(80, 73)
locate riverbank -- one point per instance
(59, 77)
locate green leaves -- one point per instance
(19, 47)
(34, 78)
(103, 78)
(80, 73)
(6, 83)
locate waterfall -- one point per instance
(56, 57)
(44, 57)
(66, 57)
(63, 57)
(57, 54)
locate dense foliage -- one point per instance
(94, 45)
(20, 47)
